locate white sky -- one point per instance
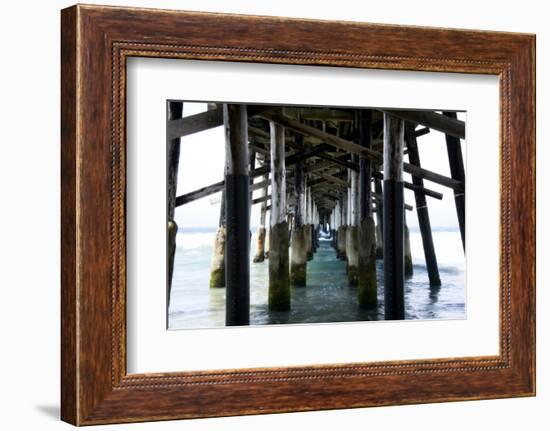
(202, 159)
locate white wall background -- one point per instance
(29, 219)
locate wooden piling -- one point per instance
(298, 240)
(309, 224)
(422, 209)
(366, 270)
(217, 267)
(456, 163)
(237, 207)
(260, 244)
(342, 229)
(394, 218)
(379, 221)
(279, 282)
(175, 111)
(408, 254)
(352, 241)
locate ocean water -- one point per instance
(327, 296)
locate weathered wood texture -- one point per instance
(278, 174)
(394, 219)
(433, 120)
(265, 169)
(354, 148)
(96, 41)
(422, 210)
(237, 214)
(364, 124)
(279, 281)
(175, 110)
(196, 123)
(456, 164)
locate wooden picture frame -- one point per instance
(95, 43)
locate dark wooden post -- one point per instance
(394, 219)
(237, 207)
(366, 272)
(308, 225)
(251, 167)
(379, 220)
(279, 282)
(422, 209)
(456, 163)
(175, 111)
(343, 228)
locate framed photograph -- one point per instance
(264, 215)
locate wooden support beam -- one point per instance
(366, 269)
(200, 193)
(178, 128)
(298, 239)
(299, 185)
(323, 114)
(258, 172)
(279, 281)
(332, 179)
(422, 210)
(181, 127)
(341, 161)
(261, 199)
(394, 219)
(456, 163)
(421, 132)
(407, 185)
(352, 242)
(237, 206)
(364, 120)
(251, 167)
(433, 120)
(256, 131)
(175, 111)
(258, 148)
(380, 198)
(379, 220)
(260, 244)
(412, 186)
(354, 148)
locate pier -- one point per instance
(328, 180)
